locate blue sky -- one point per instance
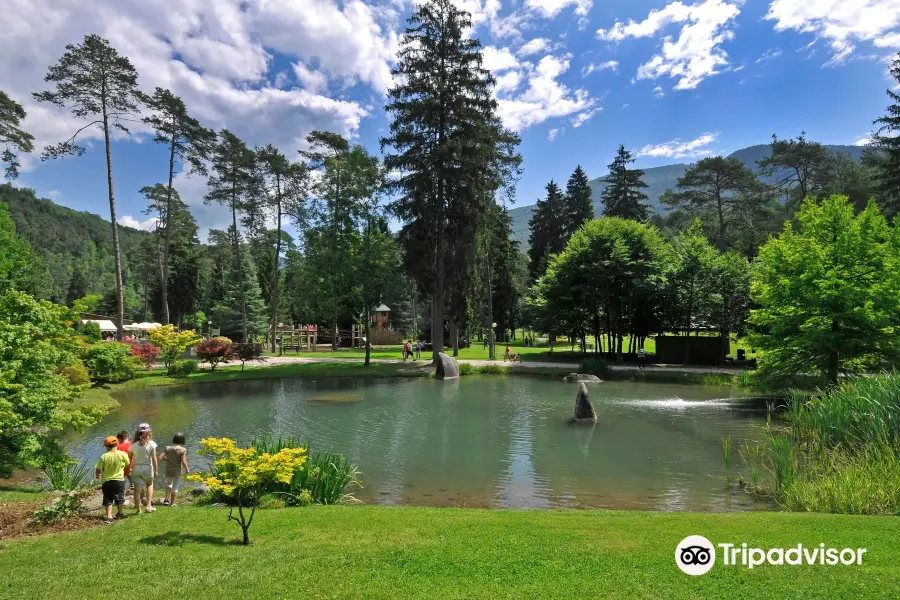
(673, 81)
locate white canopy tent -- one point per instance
(103, 324)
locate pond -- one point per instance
(482, 441)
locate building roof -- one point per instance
(382, 308)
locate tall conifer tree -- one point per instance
(887, 139)
(548, 230)
(12, 136)
(444, 140)
(95, 83)
(579, 204)
(187, 142)
(622, 196)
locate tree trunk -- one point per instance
(720, 242)
(437, 311)
(454, 337)
(275, 278)
(833, 355)
(117, 254)
(334, 333)
(240, 263)
(166, 233)
(368, 341)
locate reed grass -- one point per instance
(726, 455)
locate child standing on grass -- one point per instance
(144, 465)
(110, 470)
(418, 350)
(176, 460)
(124, 445)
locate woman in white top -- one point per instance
(144, 465)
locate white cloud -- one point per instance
(551, 8)
(611, 65)
(678, 149)
(696, 54)
(552, 134)
(863, 142)
(508, 82)
(842, 22)
(498, 59)
(535, 46)
(658, 92)
(129, 221)
(769, 55)
(544, 97)
(583, 117)
(312, 81)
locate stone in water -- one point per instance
(447, 367)
(584, 411)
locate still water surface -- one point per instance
(477, 442)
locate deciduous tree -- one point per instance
(828, 293)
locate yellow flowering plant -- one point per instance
(242, 474)
(172, 343)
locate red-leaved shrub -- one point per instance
(214, 351)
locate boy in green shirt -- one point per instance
(110, 470)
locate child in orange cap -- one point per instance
(110, 470)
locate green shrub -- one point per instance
(110, 362)
(272, 501)
(595, 366)
(67, 506)
(76, 373)
(67, 477)
(91, 332)
(183, 368)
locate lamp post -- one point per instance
(493, 353)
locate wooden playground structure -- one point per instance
(307, 338)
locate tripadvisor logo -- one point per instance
(696, 555)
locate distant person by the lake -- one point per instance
(110, 470)
(642, 358)
(144, 465)
(405, 350)
(418, 350)
(506, 356)
(176, 464)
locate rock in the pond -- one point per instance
(447, 367)
(583, 378)
(584, 411)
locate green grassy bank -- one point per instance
(391, 552)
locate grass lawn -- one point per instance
(158, 377)
(390, 552)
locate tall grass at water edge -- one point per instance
(840, 452)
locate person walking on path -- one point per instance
(642, 358)
(418, 350)
(110, 470)
(144, 465)
(405, 350)
(176, 464)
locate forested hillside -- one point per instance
(75, 247)
(660, 179)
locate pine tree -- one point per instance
(284, 191)
(242, 311)
(722, 187)
(445, 138)
(11, 135)
(622, 196)
(799, 167)
(887, 139)
(579, 204)
(93, 80)
(232, 179)
(189, 143)
(548, 230)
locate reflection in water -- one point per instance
(478, 441)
